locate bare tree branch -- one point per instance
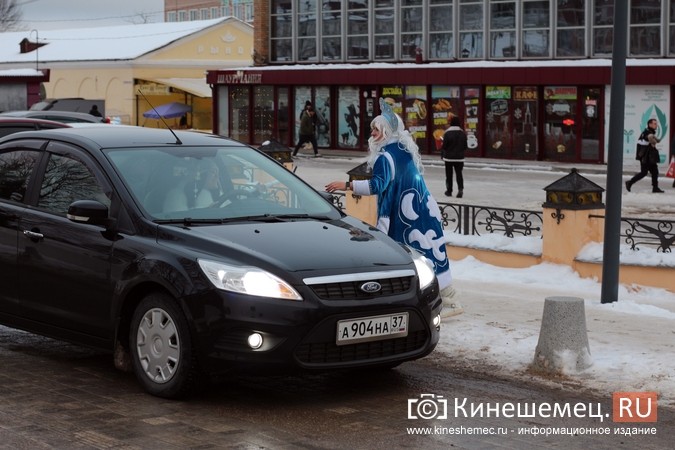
(10, 15)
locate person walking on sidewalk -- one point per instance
(307, 131)
(648, 155)
(452, 151)
(406, 210)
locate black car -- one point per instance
(190, 255)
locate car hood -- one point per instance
(345, 245)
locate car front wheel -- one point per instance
(161, 347)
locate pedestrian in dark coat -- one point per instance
(648, 155)
(307, 131)
(452, 151)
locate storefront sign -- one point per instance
(560, 93)
(498, 92)
(239, 77)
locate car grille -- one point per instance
(351, 289)
(329, 353)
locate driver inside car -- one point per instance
(201, 189)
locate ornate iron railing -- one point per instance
(337, 198)
(478, 220)
(656, 233)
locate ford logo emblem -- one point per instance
(371, 287)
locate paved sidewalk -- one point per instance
(507, 164)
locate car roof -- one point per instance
(55, 115)
(116, 136)
(33, 120)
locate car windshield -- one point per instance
(191, 184)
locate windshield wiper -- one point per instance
(187, 221)
(275, 218)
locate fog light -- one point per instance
(255, 341)
(436, 321)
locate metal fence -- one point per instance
(479, 220)
(653, 233)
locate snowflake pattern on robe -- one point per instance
(407, 211)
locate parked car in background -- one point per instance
(57, 116)
(190, 255)
(9, 125)
(76, 104)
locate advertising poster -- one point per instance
(394, 96)
(444, 104)
(497, 118)
(642, 103)
(415, 113)
(471, 117)
(348, 114)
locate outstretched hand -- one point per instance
(335, 186)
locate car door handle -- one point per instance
(33, 235)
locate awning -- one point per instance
(194, 86)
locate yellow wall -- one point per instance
(229, 44)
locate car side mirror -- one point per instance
(88, 211)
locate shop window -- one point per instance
(348, 117)
(498, 121)
(239, 113)
(322, 107)
(525, 113)
(263, 113)
(444, 104)
(472, 122)
(560, 106)
(283, 116)
(303, 94)
(415, 114)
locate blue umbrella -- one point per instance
(168, 110)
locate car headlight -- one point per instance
(425, 269)
(247, 280)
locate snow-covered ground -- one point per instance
(632, 341)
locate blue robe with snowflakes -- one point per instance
(406, 210)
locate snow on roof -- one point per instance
(114, 43)
(21, 73)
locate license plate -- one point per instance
(373, 328)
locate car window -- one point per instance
(67, 179)
(7, 130)
(16, 168)
(214, 183)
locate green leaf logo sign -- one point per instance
(662, 130)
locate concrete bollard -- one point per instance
(563, 341)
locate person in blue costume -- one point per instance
(406, 210)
